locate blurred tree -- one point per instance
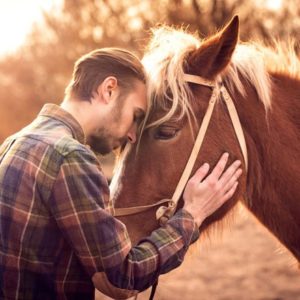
(39, 71)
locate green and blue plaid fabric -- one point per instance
(56, 229)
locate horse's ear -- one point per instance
(215, 53)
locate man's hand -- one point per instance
(203, 197)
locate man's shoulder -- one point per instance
(65, 144)
(67, 147)
(39, 141)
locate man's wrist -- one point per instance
(198, 220)
(188, 222)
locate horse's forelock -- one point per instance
(164, 63)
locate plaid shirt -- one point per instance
(56, 230)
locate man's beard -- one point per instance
(103, 143)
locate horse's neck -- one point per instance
(273, 140)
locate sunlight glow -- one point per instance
(17, 18)
(274, 4)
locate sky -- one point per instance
(16, 19)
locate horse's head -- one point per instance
(152, 168)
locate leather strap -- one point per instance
(165, 212)
(231, 109)
(119, 212)
(198, 80)
(168, 212)
(236, 124)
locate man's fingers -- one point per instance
(200, 173)
(219, 168)
(226, 179)
(229, 194)
(229, 173)
(233, 179)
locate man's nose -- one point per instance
(131, 136)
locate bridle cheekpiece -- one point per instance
(164, 213)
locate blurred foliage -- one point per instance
(39, 71)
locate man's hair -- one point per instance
(91, 69)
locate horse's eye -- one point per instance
(165, 133)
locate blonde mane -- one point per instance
(164, 62)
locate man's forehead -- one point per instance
(142, 91)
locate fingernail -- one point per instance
(239, 172)
(226, 155)
(238, 162)
(205, 165)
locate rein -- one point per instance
(164, 213)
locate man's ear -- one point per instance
(107, 89)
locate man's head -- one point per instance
(91, 69)
(108, 88)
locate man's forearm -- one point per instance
(159, 253)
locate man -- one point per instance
(56, 232)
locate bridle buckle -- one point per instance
(164, 213)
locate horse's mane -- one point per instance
(165, 59)
(281, 57)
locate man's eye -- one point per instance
(138, 119)
(165, 133)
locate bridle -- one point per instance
(164, 213)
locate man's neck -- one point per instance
(81, 111)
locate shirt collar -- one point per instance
(56, 112)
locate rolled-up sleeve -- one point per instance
(79, 204)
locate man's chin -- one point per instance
(101, 149)
(99, 145)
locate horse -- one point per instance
(264, 85)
